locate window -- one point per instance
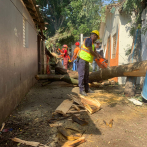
(114, 46)
(25, 33)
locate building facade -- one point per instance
(18, 54)
(115, 38)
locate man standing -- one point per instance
(65, 58)
(99, 50)
(85, 57)
(76, 50)
(62, 55)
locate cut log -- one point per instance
(64, 107)
(136, 73)
(59, 70)
(132, 69)
(137, 69)
(64, 78)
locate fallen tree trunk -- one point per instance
(137, 69)
(64, 78)
(62, 71)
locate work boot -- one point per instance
(90, 91)
(83, 93)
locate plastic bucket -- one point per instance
(101, 63)
(144, 90)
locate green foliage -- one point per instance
(133, 7)
(103, 14)
(128, 52)
(69, 18)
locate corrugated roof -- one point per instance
(35, 13)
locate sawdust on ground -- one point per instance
(29, 121)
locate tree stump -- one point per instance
(130, 87)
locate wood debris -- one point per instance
(67, 134)
(76, 100)
(64, 107)
(75, 112)
(55, 125)
(53, 120)
(3, 125)
(110, 123)
(31, 143)
(90, 105)
(74, 143)
(79, 121)
(76, 107)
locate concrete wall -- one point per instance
(18, 64)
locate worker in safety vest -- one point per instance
(85, 57)
(65, 58)
(74, 58)
(62, 55)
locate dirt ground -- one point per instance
(29, 121)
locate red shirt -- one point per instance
(66, 53)
(63, 50)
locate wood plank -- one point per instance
(64, 106)
(90, 104)
(68, 134)
(74, 143)
(88, 108)
(76, 107)
(75, 112)
(77, 100)
(30, 143)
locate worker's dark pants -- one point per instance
(83, 71)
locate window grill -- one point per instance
(114, 46)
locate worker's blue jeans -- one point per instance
(83, 71)
(94, 66)
(74, 68)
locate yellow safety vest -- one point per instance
(85, 53)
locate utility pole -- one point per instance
(81, 39)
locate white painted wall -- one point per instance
(125, 42)
(110, 27)
(114, 21)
